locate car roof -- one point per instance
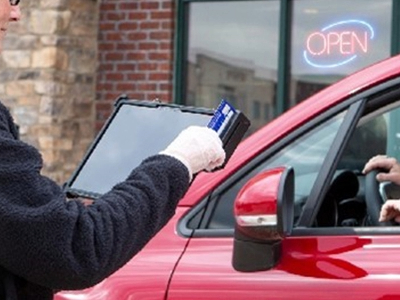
(292, 119)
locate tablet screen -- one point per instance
(131, 134)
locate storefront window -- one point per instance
(331, 39)
(233, 54)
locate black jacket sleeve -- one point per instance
(63, 244)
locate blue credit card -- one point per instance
(224, 112)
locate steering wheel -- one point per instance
(374, 200)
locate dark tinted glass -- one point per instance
(134, 133)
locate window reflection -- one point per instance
(233, 54)
(330, 40)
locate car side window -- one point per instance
(345, 204)
(375, 133)
(368, 139)
(305, 153)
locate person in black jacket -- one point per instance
(49, 244)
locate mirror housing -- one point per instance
(263, 212)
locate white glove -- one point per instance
(198, 148)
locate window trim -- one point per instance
(182, 227)
(327, 170)
(395, 38)
(381, 93)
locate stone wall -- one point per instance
(66, 61)
(48, 79)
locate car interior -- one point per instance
(351, 201)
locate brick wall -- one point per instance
(135, 52)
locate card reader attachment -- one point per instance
(231, 125)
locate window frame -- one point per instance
(284, 57)
(181, 51)
(207, 202)
(357, 106)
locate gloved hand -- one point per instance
(198, 148)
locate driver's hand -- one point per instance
(387, 163)
(390, 210)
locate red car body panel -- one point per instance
(312, 267)
(146, 276)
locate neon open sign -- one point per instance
(338, 44)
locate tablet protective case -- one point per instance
(135, 130)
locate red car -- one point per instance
(291, 216)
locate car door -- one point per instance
(333, 251)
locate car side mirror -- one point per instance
(263, 212)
